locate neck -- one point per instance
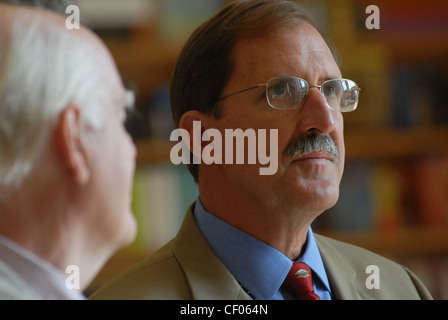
(52, 231)
(283, 228)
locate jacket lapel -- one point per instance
(341, 275)
(208, 278)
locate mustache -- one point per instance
(312, 143)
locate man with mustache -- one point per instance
(263, 65)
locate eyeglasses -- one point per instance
(287, 93)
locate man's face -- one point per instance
(114, 164)
(309, 183)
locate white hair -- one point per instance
(44, 67)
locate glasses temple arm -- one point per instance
(244, 90)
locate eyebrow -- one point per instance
(323, 79)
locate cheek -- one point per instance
(118, 158)
(126, 157)
(338, 137)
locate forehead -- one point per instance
(297, 50)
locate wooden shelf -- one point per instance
(389, 143)
(153, 151)
(145, 63)
(404, 242)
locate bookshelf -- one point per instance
(404, 242)
(390, 128)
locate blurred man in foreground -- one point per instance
(66, 161)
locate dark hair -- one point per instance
(205, 64)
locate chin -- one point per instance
(326, 200)
(125, 231)
(317, 199)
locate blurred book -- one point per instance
(371, 198)
(431, 190)
(431, 271)
(368, 64)
(387, 194)
(354, 209)
(409, 17)
(152, 119)
(179, 18)
(418, 96)
(162, 195)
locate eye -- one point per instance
(279, 89)
(329, 90)
(285, 88)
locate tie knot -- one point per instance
(299, 282)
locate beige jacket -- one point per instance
(187, 268)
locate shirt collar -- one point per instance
(260, 268)
(44, 279)
(312, 258)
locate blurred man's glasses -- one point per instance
(287, 93)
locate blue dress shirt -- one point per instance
(258, 267)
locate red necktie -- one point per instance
(299, 282)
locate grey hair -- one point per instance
(43, 69)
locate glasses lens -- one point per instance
(341, 94)
(286, 93)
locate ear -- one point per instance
(189, 122)
(70, 145)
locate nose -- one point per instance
(315, 114)
(317, 87)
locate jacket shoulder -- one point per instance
(157, 277)
(352, 253)
(394, 280)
